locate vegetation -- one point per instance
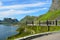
(28, 18)
(30, 30)
(51, 15)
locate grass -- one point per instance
(33, 30)
(51, 15)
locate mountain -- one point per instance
(55, 5)
(28, 18)
(53, 13)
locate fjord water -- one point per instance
(6, 31)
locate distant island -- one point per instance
(9, 21)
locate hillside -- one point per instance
(53, 13)
(28, 18)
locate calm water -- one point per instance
(6, 31)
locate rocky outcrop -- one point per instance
(55, 5)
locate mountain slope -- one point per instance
(53, 13)
(28, 18)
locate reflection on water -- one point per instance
(6, 31)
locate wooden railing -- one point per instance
(44, 23)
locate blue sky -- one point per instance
(20, 8)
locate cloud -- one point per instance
(23, 5)
(12, 9)
(15, 12)
(6, 0)
(1, 3)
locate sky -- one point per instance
(20, 8)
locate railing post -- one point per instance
(39, 23)
(53, 22)
(47, 22)
(56, 22)
(32, 23)
(26, 23)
